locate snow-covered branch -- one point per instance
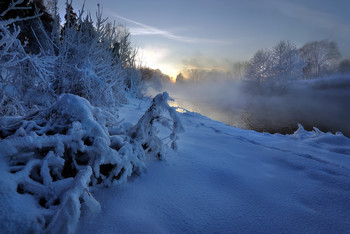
(57, 154)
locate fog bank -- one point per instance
(323, 103)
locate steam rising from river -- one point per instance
(322, 103)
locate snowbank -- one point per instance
(51, 158)
(221, 179)
(228, 180)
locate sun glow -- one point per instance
(158, 58)
(169, 70)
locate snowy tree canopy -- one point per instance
(320, 57)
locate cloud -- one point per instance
(204, 63)
(190, 67)
(319, 19)
(144, 29)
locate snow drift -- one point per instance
(228, 180)
(50, 159)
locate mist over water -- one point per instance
(220, 101)
(323, 103)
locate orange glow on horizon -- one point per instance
(156, 58)
(168, 70)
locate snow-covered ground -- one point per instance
(228, 180)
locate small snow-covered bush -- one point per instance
(57, 154)
(145, 132)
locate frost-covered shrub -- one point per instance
(85, 65)
(22, 76)
(24, 79)
(93, 60)
(56, 154)
(12, 58)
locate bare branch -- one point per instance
(17, 19)
(13, 7)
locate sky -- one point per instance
(175, 35)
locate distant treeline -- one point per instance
(280, 65)
(285, 62)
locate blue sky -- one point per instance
(174, 35)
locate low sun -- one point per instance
(156, 58)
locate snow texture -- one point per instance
(228, 180)
(51, 158)
(56, 163)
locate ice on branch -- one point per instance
(56, 155)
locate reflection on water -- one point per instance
(234, 118)
(283, 123)
(322, 103)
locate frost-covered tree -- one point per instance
(320, 57)
(84, 62)
(259, 67)
(286, 62)
(94, 60)
(275, 67)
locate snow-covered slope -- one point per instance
(50, 158)
(223, 179)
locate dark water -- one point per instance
(325, 108)
(232, 117)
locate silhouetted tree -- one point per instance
(146, 73)
(70, 17)
(180, 78)
(344, 66)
